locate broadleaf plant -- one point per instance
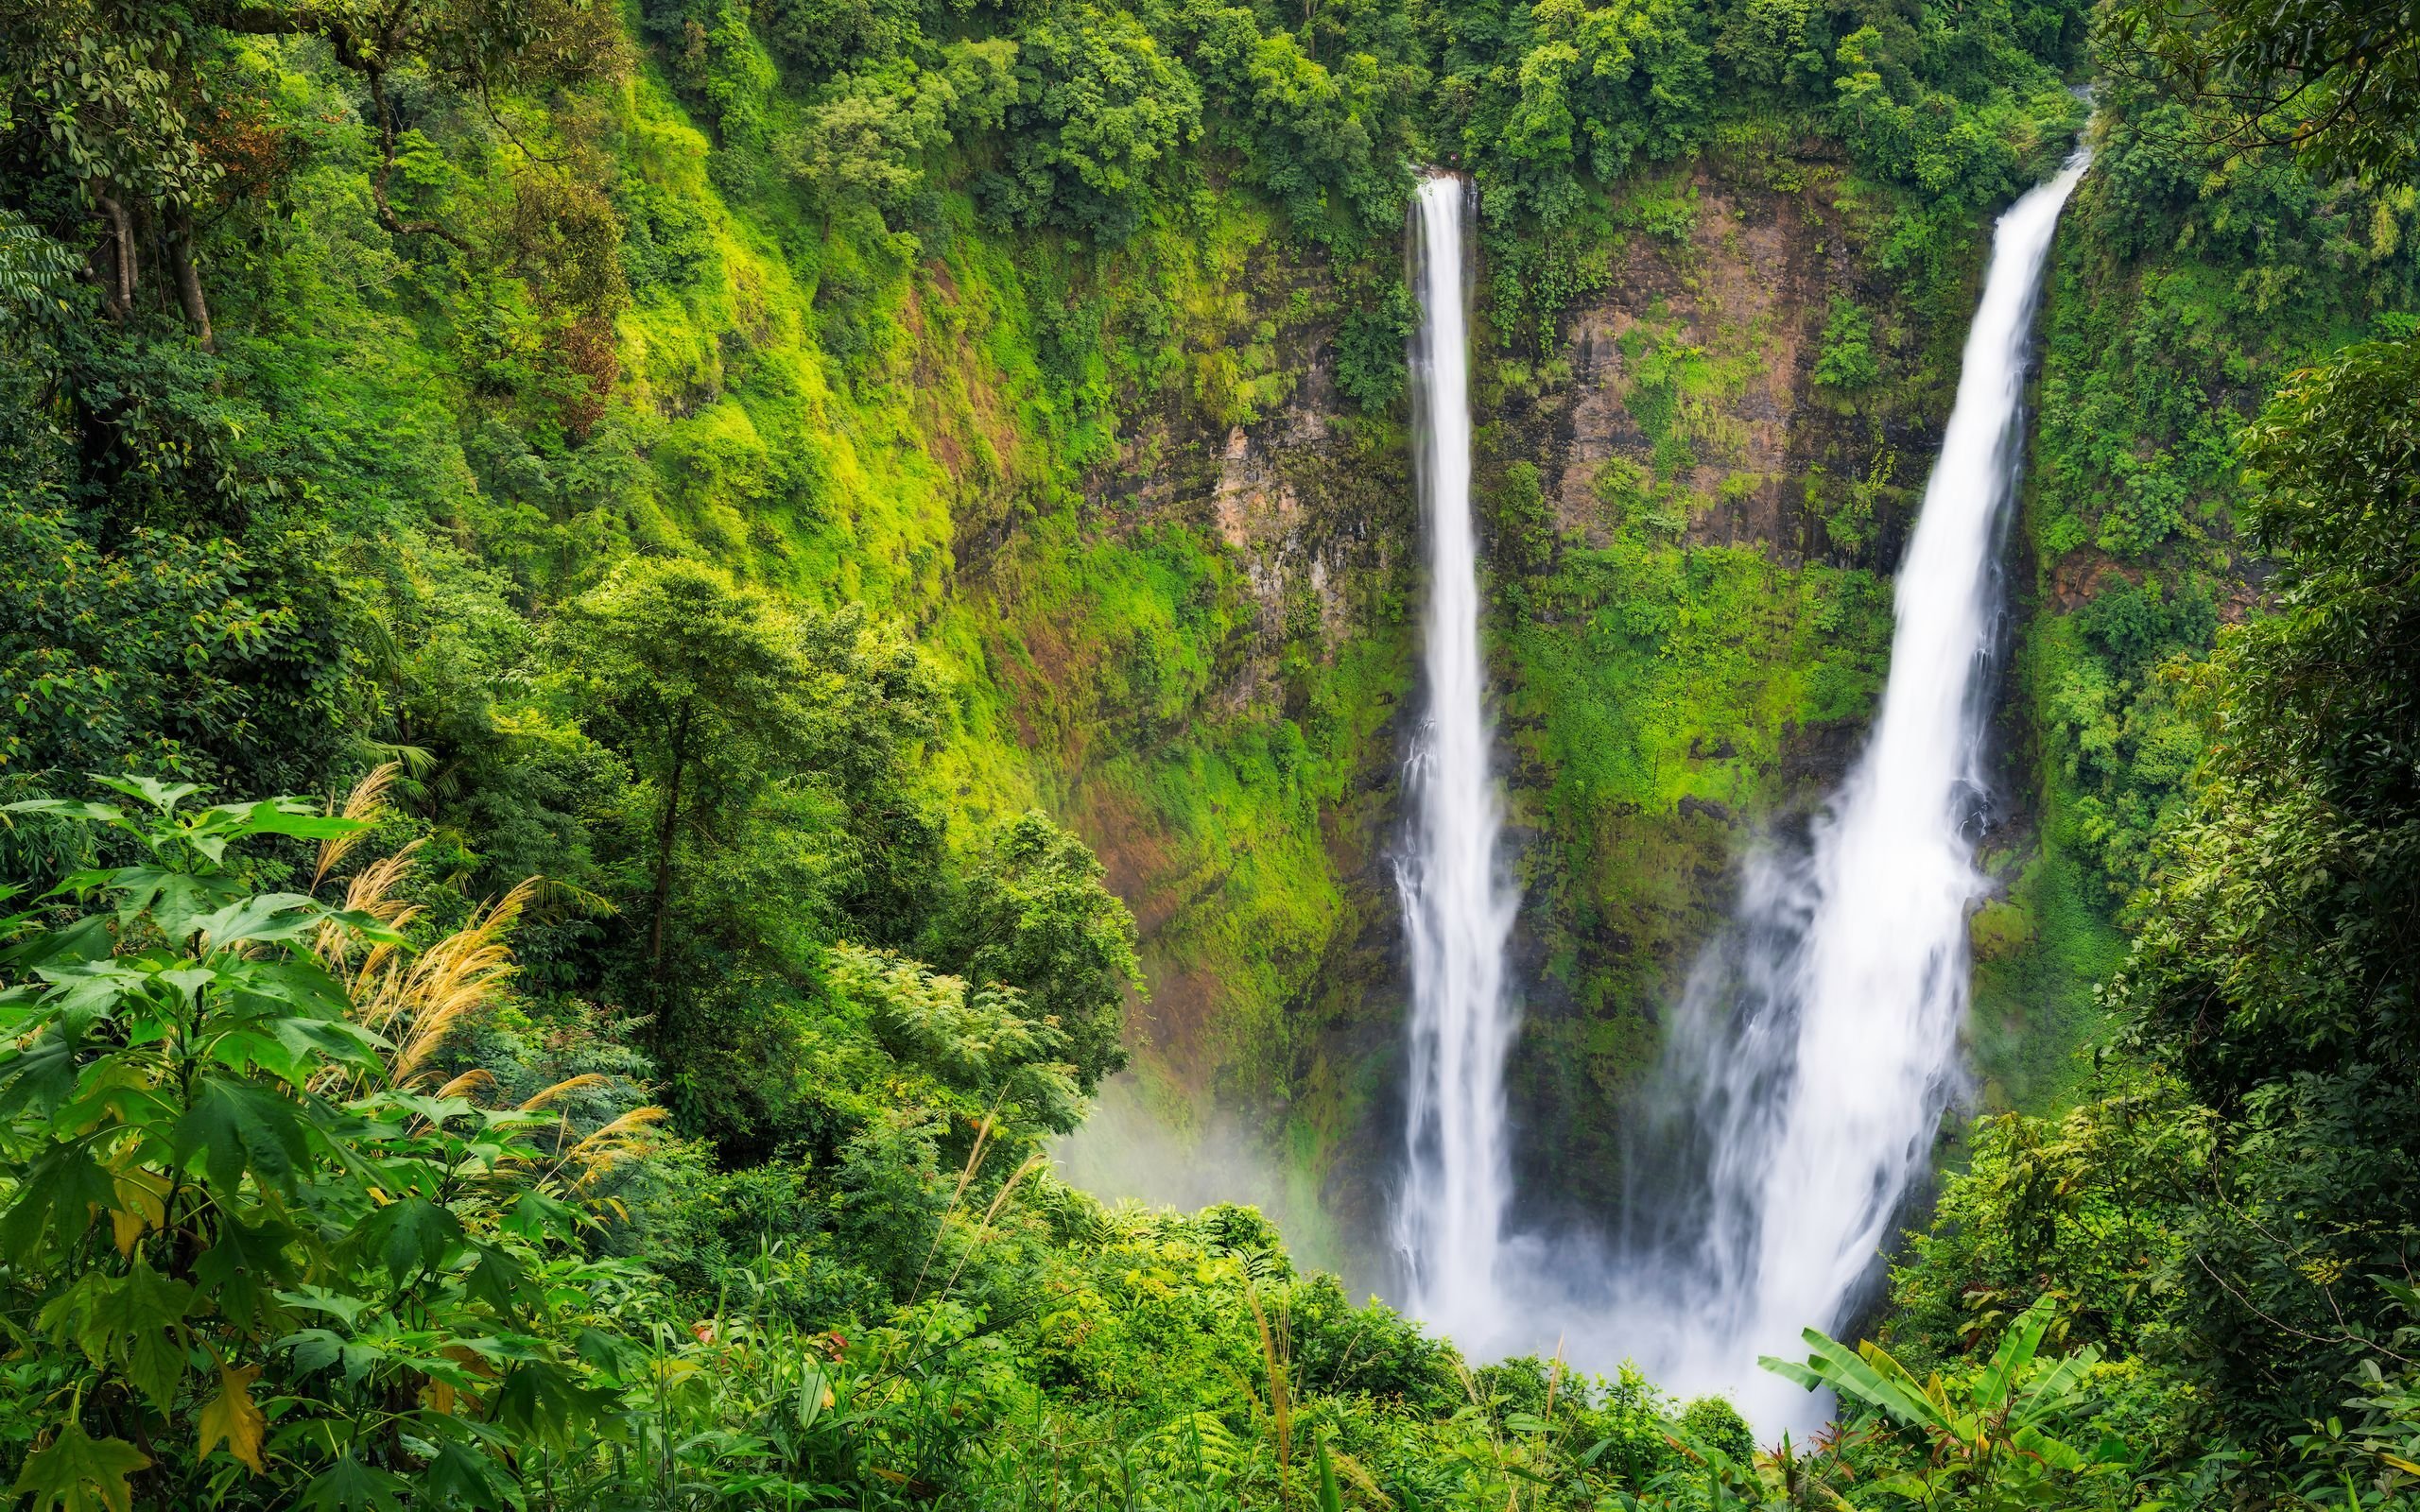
(243, 1237)
(1988, 1434)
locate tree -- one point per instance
(107, 100)
(980, 1043)
(2337, 82)
(158, 653)
(1100, 105)
(2279, 936)
(2273, 965)
(1034, 916)
(865, 145)
(699, 684)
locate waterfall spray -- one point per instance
(1458, 906)
(1818, 1045)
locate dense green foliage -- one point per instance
(726, 472)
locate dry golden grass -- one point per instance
(415, 999)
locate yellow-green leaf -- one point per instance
(231, 1417)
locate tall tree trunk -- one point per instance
(122, 235)
(189, 279)
(664, 838)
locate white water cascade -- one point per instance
(1817, 1048)
(1458, 905)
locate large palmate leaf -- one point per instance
(41, 1074)
(68, 808)
(137, 1321)
(164, 797)
(80, 1474)
(237, 1125)
(410, 1236)
(244, 1265)
(231, 1417)
(261, 920)
(56, 1198)
(349, 1485)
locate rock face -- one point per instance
(1682, 527)
(1740, 282)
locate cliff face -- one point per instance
(1682, 509)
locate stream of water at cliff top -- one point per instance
(1817, 1048)
(1458, 905)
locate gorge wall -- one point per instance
(1687, 509)
(1694, 474)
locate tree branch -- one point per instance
(394, 223)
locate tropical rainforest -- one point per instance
(645, 645)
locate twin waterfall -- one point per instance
(1807, 1069)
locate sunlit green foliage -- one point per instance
(1986, 1437)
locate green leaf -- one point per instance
(132, 1322)
(496, 1280)
(68, 808)
(41, 1075)
(349, 1485)
(243, 1267)
(1790, 1371)
(86, 939)
(162, 796)
(411, 1235)
(237, 1125)
(1835, 1364)
(301, 985)
(536, 1215)
(2017, 1350)
(1331, 1499)
(2053, 1389)
(541, 1398)
(1914, 1488)
(276, 815)
(138, 1323)
(81, 1473)
(175, 901)
(345, 1310)
(263, 919)
(459, 1476)
(319, 1349)
(2053, 1453)
(56, 1197)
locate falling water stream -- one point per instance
(1818, 1046)
(1458, 905)
(1807, 1069)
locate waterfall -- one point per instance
(1457, 903)
(1816, 1047)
